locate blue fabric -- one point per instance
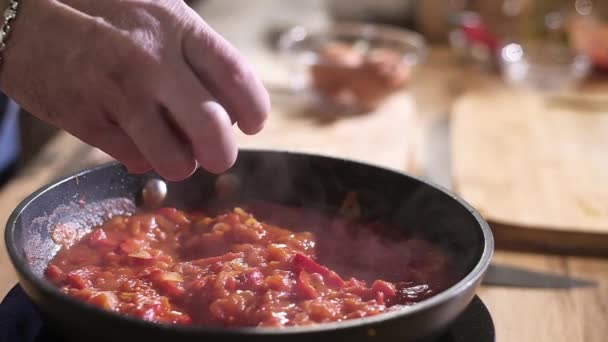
(9, 132)
(20, 320)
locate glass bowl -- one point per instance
(351, 66)
(544, 66)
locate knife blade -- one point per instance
(509, 276)
(438, 170)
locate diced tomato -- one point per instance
(355, 282)
(136, 228)
(241, 233)
(55, 274)
(76, 281)
(333, 279)
(176, 216)
(233, 219)
(166, 284)
(111, 258)
(105, 300)
(130, 246)
(166, 224)
(230, 283)
(141, 254)
(183, 319)
(100, 240)
(389, 290)
(304, 286)
(167, 212)
(156, 275)
(172, 276)
(202, 224)
(361, 291)
(149, 312)
(277, 282)
(171, 289)
(222, 258)
(227, 309)
(198, 285)
(254, 278)
(302, 262)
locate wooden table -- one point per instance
(519, 314)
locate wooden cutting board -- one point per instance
(379, 138)
(536, 167)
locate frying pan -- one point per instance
(407, 203)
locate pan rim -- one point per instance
(470, 280)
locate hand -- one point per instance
(148, 82)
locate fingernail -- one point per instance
(255, 130)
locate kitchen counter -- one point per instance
(519, 314)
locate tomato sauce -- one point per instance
(282, 266)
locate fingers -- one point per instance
(227, 76)
(113, 141)
(205, 122)
(163, 149)
(119, 146)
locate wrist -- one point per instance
(9, 15)
(11, 40)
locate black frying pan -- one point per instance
(320, 182)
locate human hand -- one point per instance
(148, 82)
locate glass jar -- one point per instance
(588, 31)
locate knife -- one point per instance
(509, 276)
(438, 170)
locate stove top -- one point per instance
(20, 322)
(474, 325)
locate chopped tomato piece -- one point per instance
(176, 216)
(167, 212)
(305, 287)
(223, 258)
(55, 274)
(76, 281)
(254, 278)
(389, 290)
(105, 300)
(130, 246)
(99, 239)
(304, 263)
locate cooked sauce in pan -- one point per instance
(262, 265)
